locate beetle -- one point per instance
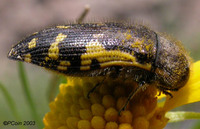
(108, 49)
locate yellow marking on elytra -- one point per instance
(65, 63)
(139, 43)
(132, 53)
(83, 68)
(148, 47)
(100, 24)
(27, 58)
(35, 33)
(95, 50)
(47, 58)
(63, 27)
(128, 36)
(62, 68)
(12, 52)
(98, 35)
(94, 46)
(86, 62)
(54, 50)
(32, 43)
(124, 63)
(123, 41)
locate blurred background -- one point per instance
(19, 18)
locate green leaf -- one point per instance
(25, 87)
(54, 83)
(196, 125)
(11, 104)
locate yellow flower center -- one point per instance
(72, 109)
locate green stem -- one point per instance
(84, 14)
(27, 93)
(181, 115)
(53, 86)
(11, 104)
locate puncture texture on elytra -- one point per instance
(114, 49)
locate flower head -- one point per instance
(72, 109)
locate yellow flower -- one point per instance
(72, 109)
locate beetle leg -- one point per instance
(131, 95)
(97, 85)
(165, 91)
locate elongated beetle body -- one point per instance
(108, 49)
